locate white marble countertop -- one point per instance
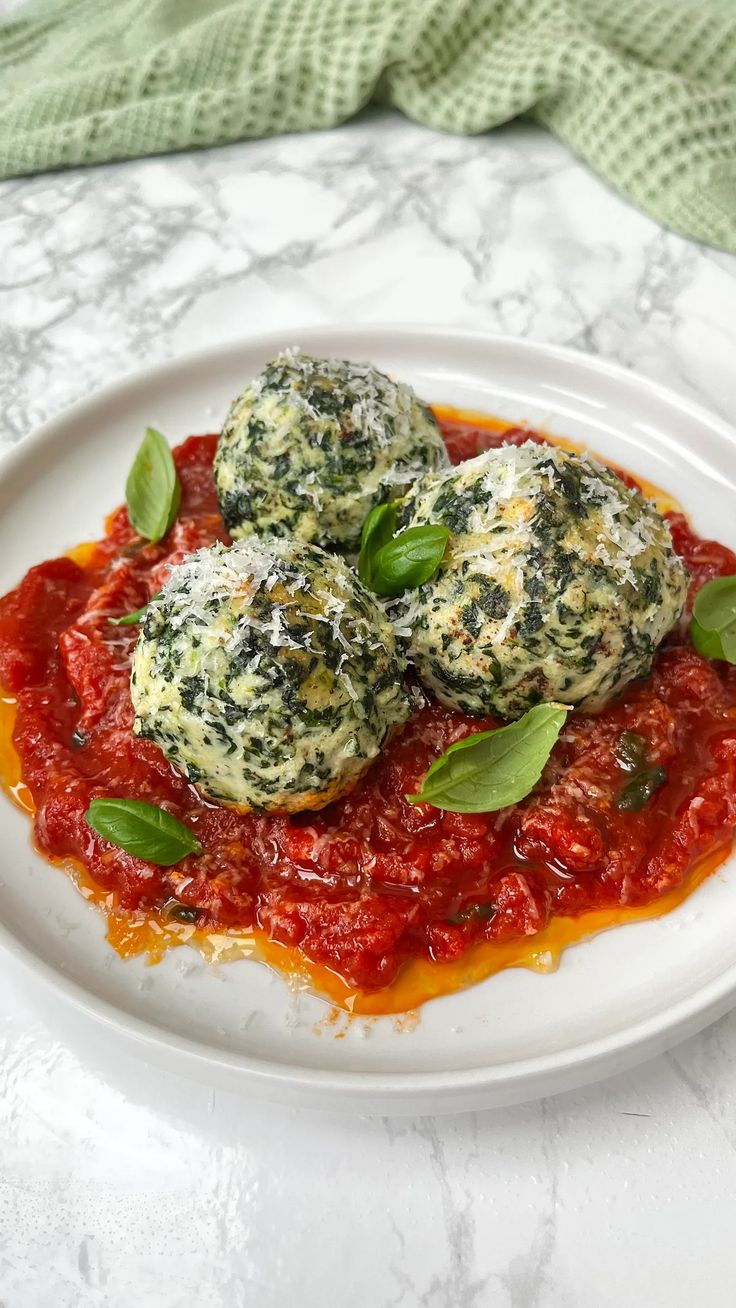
(139, 1188)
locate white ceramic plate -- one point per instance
(615, 1000)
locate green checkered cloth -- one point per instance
(644, 90)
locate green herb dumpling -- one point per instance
(558, 582)
(268, 674)
(312, 445)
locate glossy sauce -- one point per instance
(376, 903)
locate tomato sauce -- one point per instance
(380, 903)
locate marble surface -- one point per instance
(121, 1185)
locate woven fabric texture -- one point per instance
(644, 90)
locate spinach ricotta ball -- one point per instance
(268, 674)
(312, 445)
(558, 582)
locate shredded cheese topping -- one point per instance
(220, 574)
(312, 445)
(558, 581)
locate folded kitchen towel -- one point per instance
(644, 90)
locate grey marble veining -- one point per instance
(146, 1189)
(107, 269)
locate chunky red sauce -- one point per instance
(372, 882)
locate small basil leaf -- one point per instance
(153, 491)
(378, 529)
(713, 626)
(707, 643)
(130, 619)
(492, 769)
(715, 603)
(639, 790)
(409, 560)
(142, 829)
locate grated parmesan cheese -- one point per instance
(268, 673)
(559, 581)
(313, 444)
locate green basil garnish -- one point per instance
(175, 911)
(707, 643)
(142, 829)
(631, 751)
(632, 755)
(152, 490)
(378, 529)
(492, 769)
(388, 564)
(409, 560)
(130, 619)
(637, 794)
(713, 626)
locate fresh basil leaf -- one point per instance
(130, 619)
(492, 769)
(142, 829)
(378, 529)
(153, 490)
(715, 603)
(388, 564)
(707, 643)
(713, 626)
(408, 560)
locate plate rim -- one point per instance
(521, 1078)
